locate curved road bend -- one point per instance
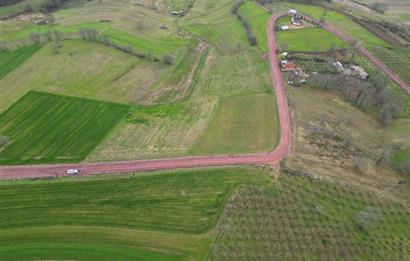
(281, 151)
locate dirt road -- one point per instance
(394, 77)
(281, 151)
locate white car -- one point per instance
(72, 171)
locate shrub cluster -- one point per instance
(244, 22)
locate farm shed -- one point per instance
(288, 67)
(284, 27)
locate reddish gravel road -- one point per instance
(281, 151)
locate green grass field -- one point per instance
(83, 69)
(146, 216)
(46, 128)
(241, 124)
(309, 40)
(306, 219)
(343, 23)
(9, 60)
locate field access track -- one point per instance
(273, 157)
(281, 151)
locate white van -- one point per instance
(72, 171)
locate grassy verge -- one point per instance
(145, 216)
(45, 128)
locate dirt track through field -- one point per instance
(280, 152)
(273, 157)
(394, 77)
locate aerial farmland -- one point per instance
(204, 130)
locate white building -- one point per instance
(284, 27)
(292, 11)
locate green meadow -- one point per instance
(246, 121)
(309, 40)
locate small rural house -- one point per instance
(338, 66)
(288, 67)
(360, 72)
(296, 20)
(175, 13)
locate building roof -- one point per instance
(289, 66)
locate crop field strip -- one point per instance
(9, 60)
(47, 128)
(165, 213)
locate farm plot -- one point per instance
(9, 60)
(309, 40)
(398, 59)
(46, 128)
(147, 216)
(307, 219)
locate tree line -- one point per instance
(93, 35)
(249, 34)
